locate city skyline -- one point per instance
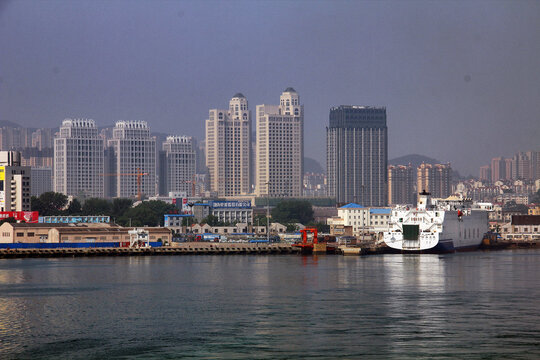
(36, 146)
(462, 74)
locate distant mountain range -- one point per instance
(9, 124)
(312, 166)
(414, 159)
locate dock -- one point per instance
(202, 248)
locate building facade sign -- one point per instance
(246, 204)
(26, 216)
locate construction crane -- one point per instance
(139, 174)
(193, 182)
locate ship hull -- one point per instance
(443, 247)
(447, 246)
(458, 234)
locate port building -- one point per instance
(73, 235)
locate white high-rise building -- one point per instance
(228, 148)
(280, 147)
(178, 164)
(78, 159)
(133, 152)
(14, 182)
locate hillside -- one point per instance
(312, 166)
(414, 159)
(9, 124)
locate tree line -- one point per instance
(150, 213)
(121, 210)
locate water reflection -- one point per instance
(419, 273)
(392, 306)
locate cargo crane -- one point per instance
(139, 174)
(305, 246)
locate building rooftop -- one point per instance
(81, 123)
(289, 89)
(179, 139)
(77, 225)
(351, 206)
(358, 107)
(525, 219)
(238, 95)
(380, 211)
(131, 124)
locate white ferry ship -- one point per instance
(443, 226)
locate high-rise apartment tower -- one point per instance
(178, 165)
(280, 147)
(401, 186)
(357, 155)
(78, 159)
(435, 179)
(228, 148)
(133, 152)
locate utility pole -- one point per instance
(268, 212)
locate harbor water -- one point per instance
(476, 305)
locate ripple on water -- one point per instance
(278, 307)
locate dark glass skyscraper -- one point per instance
(357, 155)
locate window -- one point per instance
(20, 234)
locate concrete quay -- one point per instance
(199, 248)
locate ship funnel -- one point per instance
(424, 200)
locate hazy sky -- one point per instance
(460, 80)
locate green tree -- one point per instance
(8, 220)
(96, 206)
(292, 227)
(261, 220)
(149, 213)
(212, 221)
(293, 211)
(120, 206)
(74, 208)
(49, 204)
(321, 227)
(187, 221)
